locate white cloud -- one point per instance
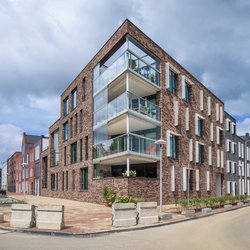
(11, 139)
(244, 127)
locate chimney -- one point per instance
(247, 134)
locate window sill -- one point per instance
(84, 190)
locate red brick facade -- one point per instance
(66, 176)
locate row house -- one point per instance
(14, 163)
(127, 97)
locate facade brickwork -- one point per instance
(81, 129)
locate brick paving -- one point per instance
(79, 216)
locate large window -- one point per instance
(84, 179)
(173, 146)
(187, 97)
(73, 180)
(74, 152)
(81, 150)
(86, 148)
(66, 106)
(53, 182)
(199, 126)
(200, 153)
(172, 82)
(65, 131)
(74, 98)
(62, 181)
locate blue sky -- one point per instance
(44, 47)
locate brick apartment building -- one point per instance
(13, 165)
(127, 97)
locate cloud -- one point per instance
(11, 139)
(243, 127)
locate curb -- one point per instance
(108, 232)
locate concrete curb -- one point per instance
(108, 232)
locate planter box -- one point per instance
(147, 213)
(1, 218)
(240, 204)
(50, 217)
(166, 216)
(124, 214)
(22, 215)
(228, 206)
(188, 213)
(206, 210)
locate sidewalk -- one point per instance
(80, 217)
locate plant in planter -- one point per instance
(109, 195)
(131, 173)
(128, 200)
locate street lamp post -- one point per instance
(160, 142)
(24, 164)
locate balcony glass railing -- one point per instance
(127, 101)
(126, 60)
(127, 142)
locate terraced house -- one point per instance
(128, 96)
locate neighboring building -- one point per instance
(28, 143)
(245, 152)
(0, 178)
(39, 147)
(127, 97)
(232, 158)
(4, 176)
(13, 163)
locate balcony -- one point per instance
(127, 143)
(127, 101)
(128, 60)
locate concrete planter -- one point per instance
(206, 210)
(50, 217)
(188, 213)
(228, 206)
(147, 213)
(124, 214)
(1, 218)
(240, 204)
(165, 216)
(22, 215)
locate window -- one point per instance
(86, 148)
(67, 180)
(44, 172)
(74, 98)
(172, 146)
(74, 152)
(56, 181)
(73, 180)
(187, 92)
(53, 182)
(55, 137)
(81, 120)
(172, 82)
(84, 88)
(84, 179)
(188, 179)
(66, 106)
(65, 156)
(65, 131)
(81, 150)
(71, 127)
(76, 124)
(219, 136)
(199, 153)
(62, 181)
(199, 125)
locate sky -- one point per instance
(45, 44)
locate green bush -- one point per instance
(124, 199)
(109, 194)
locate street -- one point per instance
(229, 230)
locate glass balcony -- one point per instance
(131, 61)
(127, 142)
(126, 101)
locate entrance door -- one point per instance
(218, 185)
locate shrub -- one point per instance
(109, 194)
(183, 203)
(125, 199)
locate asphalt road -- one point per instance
(229, 230)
